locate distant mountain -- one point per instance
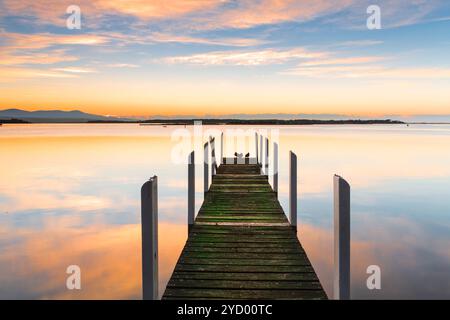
(54, 116)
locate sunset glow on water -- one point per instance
(70, 194)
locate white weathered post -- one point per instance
(221, 148)
(191, 190)
(275, 167)
(293, 189)
(213, 156)
(266, 163)
(205, 168)
(261, 152)
(256, 147)
(341, 239)
(149, 235)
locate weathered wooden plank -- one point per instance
(256, 276)
(239, 268)
(226, 255)
(245, 294)
(257, 250)
(243, 284)
(245, 262)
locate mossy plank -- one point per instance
(243, 284)
(245, 294)
(256, 276)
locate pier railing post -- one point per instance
(213, 156)
(256, 147)
(221, 148)
(341, 238)
(275, 167)
(293, 189)
(205, 168)
(191, 190)
(261, 152)
(266, 163)
(149, 229)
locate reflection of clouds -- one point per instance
(22, 202)
(109, 257)
(364, 156)
(414, 264)
(399, 195)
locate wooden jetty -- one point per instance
(241, 245)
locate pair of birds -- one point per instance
(239, 155)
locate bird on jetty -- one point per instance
(247, 155)
(238, 155)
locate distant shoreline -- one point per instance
(189, 122)
(263, 122)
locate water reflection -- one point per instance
(69, 194)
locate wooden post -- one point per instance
(213, 156)
(221, 148)
(205, 168)
(191, 190)
(261, 152)
(293, 189)
(266, 163)
(275, 167)
(256, 147)
(149, 234)
(341, 239)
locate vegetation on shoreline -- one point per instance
(252, 122)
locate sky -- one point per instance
(217, 57)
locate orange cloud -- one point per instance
(20, 41)
(249, 13)
(199, 13)
(49, 57)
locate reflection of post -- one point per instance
(221, 148)
(256, 147)
(275, 167)
(293, 189)
(205, 167)
(341, 239)
(191, 190)
(149, 229)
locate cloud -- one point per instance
(234, 42)
(244, 58)
(75, 70)
(14, 73)
(340, 61)
(49, 57)
(122, 65)
(223, 14)
(21, 41)
(359, 43)
(249, 13)
(356, 71)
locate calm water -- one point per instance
(69, 194)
